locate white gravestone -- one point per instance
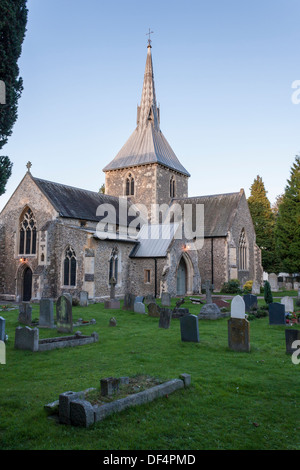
(288, 302)
(238, 308)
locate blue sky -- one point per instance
(223, 74)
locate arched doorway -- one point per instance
(27, 284)
(181, 277)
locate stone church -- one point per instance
(56, 238)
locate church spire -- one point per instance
(148, 112)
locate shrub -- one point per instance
(231, 287)
(247, 287)
(267, 293)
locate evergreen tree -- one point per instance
(288, 223)
(264, 223)
(268, 293)
(13, 20)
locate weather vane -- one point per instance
(149, 34)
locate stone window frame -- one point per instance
(243, 245)
(129, 184)
(71, 284)
(172, 186)
(113, 264)
(27, 233)
(147, 276)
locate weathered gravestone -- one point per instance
(290, 337)
(139, 307)
(83, 298)
(129, 302)
(238, 308)
(46, 319)
(238, 326)
(250, 302)
(276, 314)
(165, 299)
(139, 298)
(165, 317)
(289, 286)
(210, 310)
(149, 299)
(27, 338)
(288, 303)
(296, 285)
(189, 328)
(112, 322)
(153, 309)
(25, 311)
(2, 329)
(64, 317)
(255, 288)
(273, 281)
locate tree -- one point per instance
(268, 293)
(13, 20)
(102, 189)
(288, 223)
(264, 223)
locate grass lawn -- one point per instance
(236, 400)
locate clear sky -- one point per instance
(223, 75)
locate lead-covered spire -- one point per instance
(148, 112)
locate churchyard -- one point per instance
(237, 399)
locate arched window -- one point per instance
(69, 267)
(27, 241)
(243, 258)
(113, 265)
(172, 187)
(129, 185)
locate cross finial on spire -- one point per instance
(149, 34)
(29, 165)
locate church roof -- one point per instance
(147, 144)
(154, 240)
(219, 211)
(74, 202)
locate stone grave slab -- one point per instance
(153, 309)
(277, 314)
(239, 334)
(250, 302)
(64, 317)
(238, 308)
(139, 307)
(46, 319)
(165, 299)
(83, 298)
(25, 311)
(189, 328)
(165, 317)
(288, 303)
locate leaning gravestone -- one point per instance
(250, 302)
(83, 298)
(165, 317)
(46, 313)
(288, 303)
(139, 307)
(2, 329)
(189, 328)
(64, 318)
(277, 314)
(25, 311)
(165, 299)
(238, 326)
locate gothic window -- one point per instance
(69, 267)
(243, 259)
(113, 265)
(172, 187)
(129, 185)
(27, 241)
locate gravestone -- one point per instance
(288, 303)
(276, 314)
(139, 298)
(290, 337)
(273, 281)
(221, 303)
(165, 299)
(289, 286)
(180, 312)
(250, 302)
(239, 334)
(296, 285)
(2, 329)
(27, 338)
(83, 298)
(68, 296)
(238, 307)
(165, 317)
(112, 303)
(153, 310)
(64, 317)
(208, 289)
(149, 299)
(25, 311)
(298, 296)
(109, 386)
(129, 302)
(112, 322)
(46, 313)
(255, 288)
(139, 307)
(189, 328)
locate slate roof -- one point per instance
(147, 144)
(219, 211)
(76, 203)
(154, 241)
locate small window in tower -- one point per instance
(172, 187)
(129, 185)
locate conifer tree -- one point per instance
(288, 223)
(264, 222)
(13, 20)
